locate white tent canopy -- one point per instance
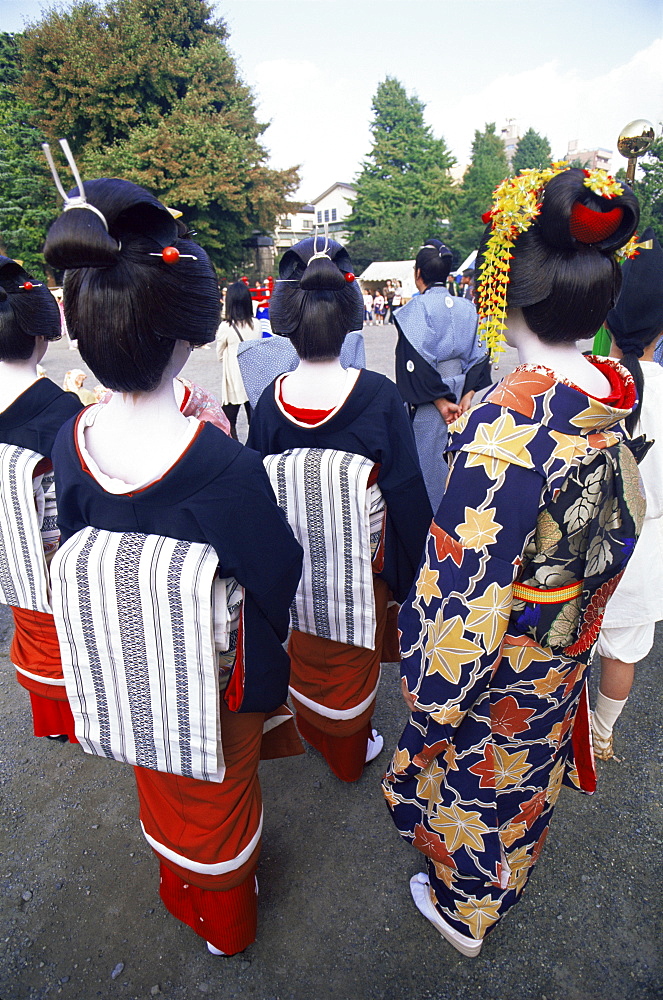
(403, 271)
(468, 262)
(391, 270)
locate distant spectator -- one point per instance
(396, 299)
(238, 326)
(379, 308)
(467, 284)
(368, 307)
(73, 382)
(440, 362)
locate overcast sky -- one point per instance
(571, 69)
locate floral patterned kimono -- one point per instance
(540, 516)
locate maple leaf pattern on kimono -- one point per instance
(481, 762)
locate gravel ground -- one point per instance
(80, 915)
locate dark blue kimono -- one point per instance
(216, 493)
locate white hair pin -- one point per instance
(79, 200)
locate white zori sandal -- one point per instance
(374, 745)
(420, 889)
(215, 951)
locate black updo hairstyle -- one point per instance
(313, 304)
(563, 277)
(123, 303)
(433, 262)
(25, 313)
(637, 317)
(239, 304)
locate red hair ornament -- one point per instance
(171, 255)
(589, 226)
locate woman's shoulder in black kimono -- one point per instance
(34, 418)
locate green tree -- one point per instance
(28, 204)
(650, 189)
(148, 90)
(396, 238)
(404, 190)
(488, 168)
(532, 152)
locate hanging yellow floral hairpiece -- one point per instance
(516, 204)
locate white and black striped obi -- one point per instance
(339, 521)
(135, 616)
(27, 530)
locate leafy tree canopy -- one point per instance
(404, 189)
(488, 168)
(98, 70)
(28, 205)
(532, 152)
(147, 90)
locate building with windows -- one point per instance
(333, 207)
(593, 159)
(510, 137)
(294, 227)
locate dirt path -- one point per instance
(79, 896)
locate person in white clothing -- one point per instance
(368, 307)
(627, 633)
(378, 308)
(238, 326)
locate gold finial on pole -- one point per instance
(634, 141)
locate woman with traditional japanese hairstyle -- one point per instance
(341, 456)
(540, 516)
(32, 410)
(168, 525)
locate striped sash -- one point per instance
(134, 620)
(23, 574)
(324, 495)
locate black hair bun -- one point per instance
(295, 260)
(322, 273)
(79, 238)
(32, 311)
(308, 285)
(568, 205)
(12, 276)
(434, 244)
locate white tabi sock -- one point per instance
(606, 713)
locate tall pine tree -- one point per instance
(148, 90)
(404, 189)
(532, 152)
(489, 166)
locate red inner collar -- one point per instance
(622, 394)
(303, 415)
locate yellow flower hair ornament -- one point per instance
(516, 204)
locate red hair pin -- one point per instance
(349, 276)
(171, 255)
(27, 286)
